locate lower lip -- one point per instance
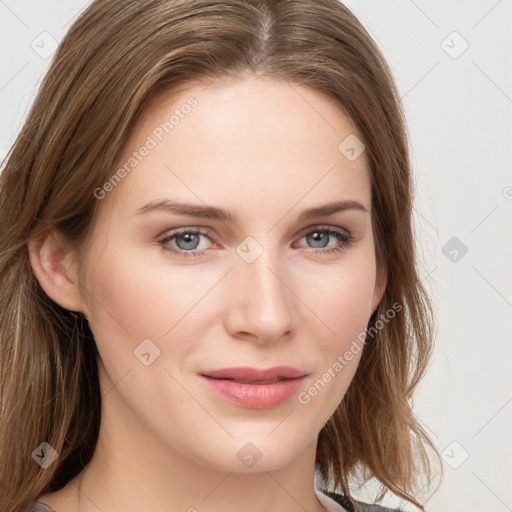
(255, 396)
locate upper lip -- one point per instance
(246, 372)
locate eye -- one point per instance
(319, 237)
(185, 241)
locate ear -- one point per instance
(381, 280)
(53, 265)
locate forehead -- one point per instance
(241, 142)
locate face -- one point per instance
(239, 278)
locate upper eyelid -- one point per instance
(321, 227)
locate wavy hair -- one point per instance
(116, 56)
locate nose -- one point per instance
(261, 301)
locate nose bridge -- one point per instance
(263, 295)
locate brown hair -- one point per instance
(112, 61)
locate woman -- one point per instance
(176, 334)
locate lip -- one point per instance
(255, 394)
(249, 373)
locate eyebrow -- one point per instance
(216, 213)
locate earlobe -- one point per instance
(52, 263)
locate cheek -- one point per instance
(341, 299)
(143, 298)
(340, 310)
(131, 300)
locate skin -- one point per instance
(265, 150)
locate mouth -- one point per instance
(253, 388)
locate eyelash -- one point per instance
(345, 237)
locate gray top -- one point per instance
(38, 507)
(357, 506)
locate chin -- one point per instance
(252, 453)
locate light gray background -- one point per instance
(459, 110)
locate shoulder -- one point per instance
(38, 507)
(357, 506)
